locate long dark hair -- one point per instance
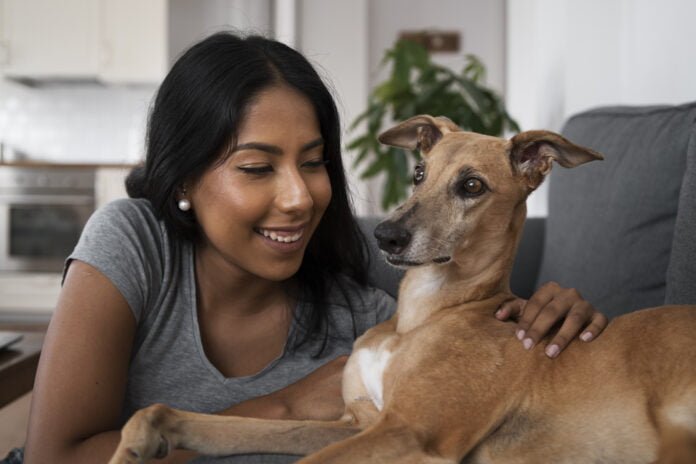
(193, 122)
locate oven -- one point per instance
(42, 213)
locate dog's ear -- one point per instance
(419, 132)
(533, 151)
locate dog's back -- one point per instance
(613, 400)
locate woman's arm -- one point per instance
(81, 379)
(550, 305)
(315, 397)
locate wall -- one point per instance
(565, 56)
(334, 36)
(64, 123)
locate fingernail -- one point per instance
(552, 351)
(498, 313)
(586, 336)
(520, 334)
(527, 343)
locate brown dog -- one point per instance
(443, 380)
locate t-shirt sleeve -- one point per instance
(124, 241)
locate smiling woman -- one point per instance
(220, 284)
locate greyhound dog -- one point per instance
(443, 381)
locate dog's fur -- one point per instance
(443, 381)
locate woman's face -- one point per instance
(258, 209)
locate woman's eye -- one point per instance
(256, 169)
(315, 163)
(473, 187)
(418, 174)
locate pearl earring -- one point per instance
(184, 204)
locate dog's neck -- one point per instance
(478, 278)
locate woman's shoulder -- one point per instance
(131, 218)
(126, 242)
(127, 208)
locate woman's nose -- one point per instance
(293, 193)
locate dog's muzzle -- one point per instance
(392, 237)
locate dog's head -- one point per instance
(469, 189)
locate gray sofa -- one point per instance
(623, 230)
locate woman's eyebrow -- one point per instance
(313, 144)
(272, 149)
(275, 150)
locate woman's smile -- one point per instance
(284, 239)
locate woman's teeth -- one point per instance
(280, 238)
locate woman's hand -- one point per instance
(317, 396)
(549, 305)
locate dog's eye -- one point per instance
(418, 174)
(472, 187)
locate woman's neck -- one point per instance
(222, 287)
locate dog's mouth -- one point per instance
(395, 260)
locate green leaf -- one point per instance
(362, 154)
(378, 165)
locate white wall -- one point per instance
(333, 35)
(565, 56)
(72, 124)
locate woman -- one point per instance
(233, 281)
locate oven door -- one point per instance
(37, 232)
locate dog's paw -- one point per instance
(143, 437)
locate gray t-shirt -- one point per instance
(155, 273)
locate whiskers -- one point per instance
(432, 239)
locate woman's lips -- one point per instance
(282, 235)
(284, 240)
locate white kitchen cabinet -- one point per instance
(133, 41)
(112, 41)
(48, 39)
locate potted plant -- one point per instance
(419, 86)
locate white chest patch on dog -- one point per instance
(682, 414)
(372, 364)
(426, 285)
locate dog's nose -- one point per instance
(391, 237)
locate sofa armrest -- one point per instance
(528, 261)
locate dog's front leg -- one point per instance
(154, 431)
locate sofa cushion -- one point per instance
(681, 273)
(611, 223)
